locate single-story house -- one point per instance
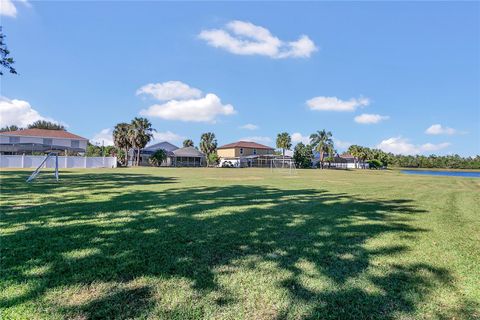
(246, 154)
(29, 141)
(145, 153)
(189, 157)
(176, 157)
(344, 161)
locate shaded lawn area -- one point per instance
(152, 243)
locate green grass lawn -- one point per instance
(157, 243)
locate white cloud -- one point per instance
(437, 129)
(249, 126)
(168, 136)
(297, 137)
(399, 145)
(258, 139)
(8, 8)
(334, 104)
(204, 109)
(19, 113)
(367, 118)
(245, 38)
(104, 137)
(170, 90)
(340, 144)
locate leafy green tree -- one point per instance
(284, 142)
(213, 159)
(208, 145)
(5, 60)
(322, 142)
(93, 150)
(158, 158)
(140, 134)
(10, 128)
(303, 155)
(187, 143)
(43, 124)
(121, 139)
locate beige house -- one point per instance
(242, 149)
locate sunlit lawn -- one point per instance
(162, 243)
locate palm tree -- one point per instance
(187, 143)
(208, 145)
(121, 138)
(284, 141)
(354, 150)
(322, 142)
(140, 134)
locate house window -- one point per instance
(254, 151)
(14, 139)
(47, 142)
(75, 144)
(241, 150)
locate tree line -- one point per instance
(321, 142)
(39, 124)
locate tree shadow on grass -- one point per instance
(191, 233)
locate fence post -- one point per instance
(85, 162)
(23, 160)
(66, 161)
(103, 162)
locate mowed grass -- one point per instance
(158, 243)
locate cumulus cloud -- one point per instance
(168, 136)
(8, 8)
(246, 38)
(249, 126)
(169, 90)
(205, 109)
(297, 137)
(19, 113)
(340, 144)
(184, 103)
(104, 137)
(399, 145)
(367, 118)
(436, 129)
(258, 139)
(322, 103)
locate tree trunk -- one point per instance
(283, 157)
(138, 156)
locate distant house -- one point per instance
(344, 161)
(31, 141)
(245, 154)
(189, 157)
(176, 157)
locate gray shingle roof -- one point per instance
(188, 152)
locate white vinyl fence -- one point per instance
(24, 161)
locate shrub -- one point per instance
(157, 158)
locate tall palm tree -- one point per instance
(354, 150)
(121, 138)
(208, 144)
(284, 142)
(322, 142)
(140, 134)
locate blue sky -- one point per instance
(404, 77)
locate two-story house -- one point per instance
(30, 141)
(242, 153)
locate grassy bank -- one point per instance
(230, 243)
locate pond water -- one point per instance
(470, 174)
